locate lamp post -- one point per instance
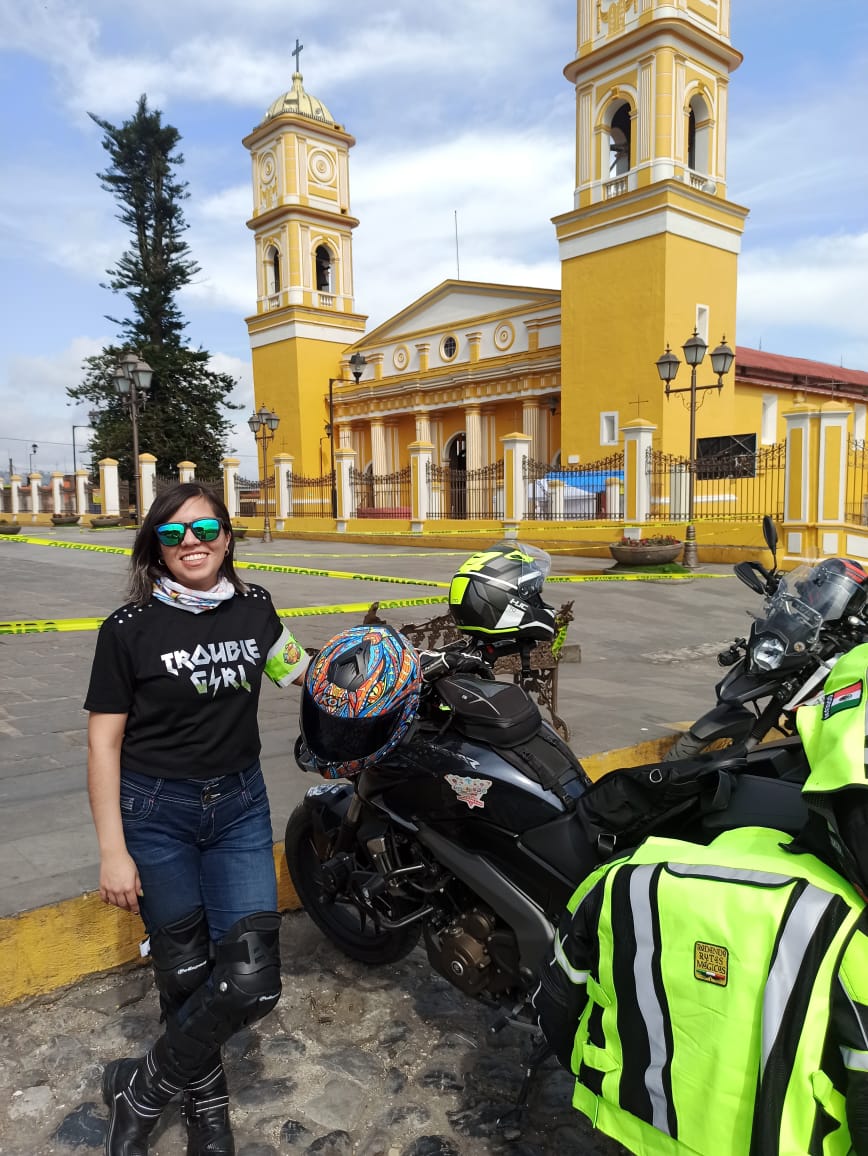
(74, 428)
(33, 448)
(132, 378)
(357, 365)
(667, 367)
(263, 422)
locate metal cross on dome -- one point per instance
(296, 52)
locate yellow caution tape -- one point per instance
(28, 541)
(311, 572)
(59, 625)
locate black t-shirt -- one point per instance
(190, 683)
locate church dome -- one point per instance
(297, 102)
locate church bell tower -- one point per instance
(650, 248)
(305, 315)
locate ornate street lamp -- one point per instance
(263, 422)
(667, 367)
(132, 380)
(357, 367)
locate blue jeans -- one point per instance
(200, 843)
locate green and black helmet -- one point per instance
(497, 596)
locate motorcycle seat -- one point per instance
(758, 801)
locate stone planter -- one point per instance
(645, 555)
(105, 520)
(9, 528)
(64, 519)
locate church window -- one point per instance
(609, 428)
(273, 270)
(323, 269)
(448, 348)
(620, 135)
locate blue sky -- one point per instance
(454, 107)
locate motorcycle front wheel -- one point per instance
(340, 920)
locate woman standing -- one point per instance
(180, 807)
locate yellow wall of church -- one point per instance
(292, 378)
(620, 308)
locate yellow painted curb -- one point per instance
(49, 947)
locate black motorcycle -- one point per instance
(475, 831)
(812, 616)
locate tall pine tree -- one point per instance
(185, 417)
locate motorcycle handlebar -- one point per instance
(438, 663)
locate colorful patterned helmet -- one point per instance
(497, 595)
(360, 696)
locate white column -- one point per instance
(230, 490)
(421, 455)
(56, 492)
(147, 480)
(186, 471)
(108, 486)
(473, 435)
(530, 424)
(344, 462)
(423, 426)
(283, 473)
(81, 477)
(637, 492)
(378, 447)
(679, 492)
(556, 492)
(14, 483)
(516, 449)
(614, 503)
(35, 479)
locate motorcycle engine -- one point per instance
(470, 953)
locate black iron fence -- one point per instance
(856, 503)
(731, 487)
(454, 493)
(594, 491)
(381, 495)
(254, 496)
(309, 496)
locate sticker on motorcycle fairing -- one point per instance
(844, 699)
(468, 790)
(710, 963)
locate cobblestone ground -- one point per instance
(354, 1062)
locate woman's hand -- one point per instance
(119, 882)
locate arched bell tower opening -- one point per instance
(272, 271)
(699, 135)
(324, 262)
(620, 138)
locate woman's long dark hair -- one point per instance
(146, 563)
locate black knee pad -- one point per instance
(182, 956)
(246, 979)
(245, 985)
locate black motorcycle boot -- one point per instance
(205, 1111)
(136, 1092)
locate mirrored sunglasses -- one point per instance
(204, 530)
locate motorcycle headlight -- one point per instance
(768, 653)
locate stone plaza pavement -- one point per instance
(391, 1061)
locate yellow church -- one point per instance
(649, 258)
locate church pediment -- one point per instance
(459, 303)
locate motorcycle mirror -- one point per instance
(770, 534)
(746, 573)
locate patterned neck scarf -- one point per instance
(196, 601)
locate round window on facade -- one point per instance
(448, 348)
